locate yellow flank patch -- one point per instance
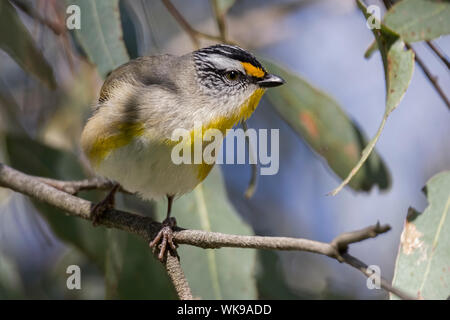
(252, 70)
(105, 144)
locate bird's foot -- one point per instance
(164, 238)
(100, 208)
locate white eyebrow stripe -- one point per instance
(221, 62)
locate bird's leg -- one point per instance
(107, 203)
(165, 235)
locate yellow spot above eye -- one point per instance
(252, 70)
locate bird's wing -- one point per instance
(149, 70)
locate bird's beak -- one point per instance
(270, 80)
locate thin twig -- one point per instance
(220, 20)
(147, 228)
(428, 74)
(73, 187)
(433, 79)
(361, 266)
(182, 22)
(438, 53)
(193, 34)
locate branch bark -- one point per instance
(147, 228)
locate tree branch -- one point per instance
(177, 277)
(147, 228)
(192, 33)
(440, 55)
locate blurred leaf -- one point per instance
(399, 67)
(11, 286)
(416, 20)
(271, 282)
(101, 33)
(226, 273)
(423, 261)
(17, 42)
(129, 23)
(326, 128)
(130, 270)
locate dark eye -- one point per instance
(232, 75)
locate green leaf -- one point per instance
(226, 273)
(417, 20)
(326, 128)
(398, 67)
(101, 33)
(423, 261)
(18, 43)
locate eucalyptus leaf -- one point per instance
(326, 128)
(423, 261)
(417, 20)
(100, 34)
(18, 43)
(226, 273)
(399, 67)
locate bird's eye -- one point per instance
(232, 75)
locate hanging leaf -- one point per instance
(100, 34)
(226, 273)
(326, 128)
(423, 261)
(417, 20)
(223, 6)
(398, 66)
(18, 43)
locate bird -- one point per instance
(127, 139)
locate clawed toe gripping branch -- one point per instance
(60, 194)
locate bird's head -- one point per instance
(233, 78)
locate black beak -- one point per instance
(270, 80)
